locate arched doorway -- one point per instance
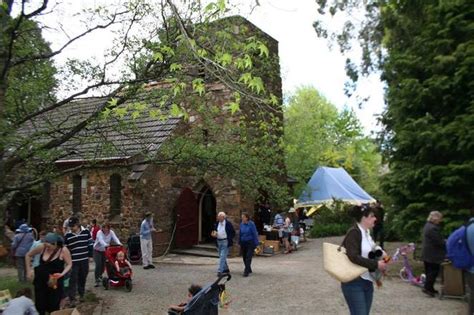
(187, 224)
(207, 214)
(24, 208)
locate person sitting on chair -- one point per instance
(178, 309)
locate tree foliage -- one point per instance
(184, 45)
(425, 51)
(428, 135)
(317, 134)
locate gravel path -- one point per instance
(282, 284)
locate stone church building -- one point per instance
(183, 204)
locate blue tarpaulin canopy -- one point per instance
(329, 183)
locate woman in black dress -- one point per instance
(55, 262)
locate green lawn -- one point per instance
(11, 283)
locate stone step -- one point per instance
(207, 246)
(196, 252)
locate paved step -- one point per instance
(209, 247)
(196, 252)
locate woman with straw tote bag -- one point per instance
(357, 287)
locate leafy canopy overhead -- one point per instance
(184, 45)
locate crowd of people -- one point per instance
(58, 263)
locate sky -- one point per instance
(305, 59)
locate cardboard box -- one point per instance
(262, 238)
(269, 250)
(67, 311)
(274, 244)
(5, 297)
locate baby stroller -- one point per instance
(115, 278)
(206, 301)
(134, 253)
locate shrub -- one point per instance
(331, 220)
(330, 229)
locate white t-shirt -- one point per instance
(66, 227)
(221, 233)
(367, 246)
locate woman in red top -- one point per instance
(94, 229)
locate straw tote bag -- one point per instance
(338, 265)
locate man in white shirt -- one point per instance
(224, 233)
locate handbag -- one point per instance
(338, 265)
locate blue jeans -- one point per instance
(358, 294)
(223, 251)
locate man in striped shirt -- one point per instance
(79, 243)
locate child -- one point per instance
(21, 304)
(122, 265)
(36, 258)
(178, 309)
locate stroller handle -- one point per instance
(228, 276)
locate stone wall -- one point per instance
(157, 191)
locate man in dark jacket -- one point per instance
(434, 251)
(378, 231)
(224, 233)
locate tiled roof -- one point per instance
(103, 139)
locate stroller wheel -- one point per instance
(105, 283)
(128, 285)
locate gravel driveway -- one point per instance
(282, 284)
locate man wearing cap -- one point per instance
(146, 242)
(20, 246)
(79, 243)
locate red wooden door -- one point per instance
(187, 225)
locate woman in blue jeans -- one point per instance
(358, 293)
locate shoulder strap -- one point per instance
(343, 241)
(19, 243)
(52, 255)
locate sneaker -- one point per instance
(246, 274)
(147, 267)
(151, 266)
(97, 284)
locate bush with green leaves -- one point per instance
(331, 220)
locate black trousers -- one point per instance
(431, 272)
(77, 283)
(247, 253)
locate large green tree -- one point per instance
(429, 138)
(425, 50)
(317, 134)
